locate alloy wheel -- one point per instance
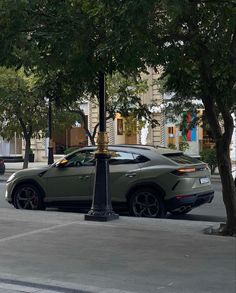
(145, 204)
(27, 197)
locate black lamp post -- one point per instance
(50, 147)
(101, 209)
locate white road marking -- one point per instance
(36, 231)
(83, 288)
(19, 288)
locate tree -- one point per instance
(24, 110)
(21, 111)
(195, 41)
(79, 37)
(124, 96)
(209, 156)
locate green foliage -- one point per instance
(62, 119)
(209, 156)
(124, 96)
(172, 146)
(75, 38)
(68, 42)
(21, 110)
(132, 126)
(197, 46)
(193, 41)
(183, 146)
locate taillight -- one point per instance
(182, 171)
(186, 170)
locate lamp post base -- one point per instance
(101, 217)
(101, 209)
(50, 155)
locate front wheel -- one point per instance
(146, 203)
(27, 196)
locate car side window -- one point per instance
(83, 158)
(140, 159)
(119, 158)
(89, 158)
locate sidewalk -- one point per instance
(50, 251)
(12, 167)
(15, 166)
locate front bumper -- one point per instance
(189, 201)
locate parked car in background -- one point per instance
(2, 167)
(148, 181)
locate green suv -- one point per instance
(146, 180)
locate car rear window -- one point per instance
(120, 158)
(182, 159)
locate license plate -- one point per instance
(204, 180)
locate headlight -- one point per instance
(11, 177)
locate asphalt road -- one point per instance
(58, 252)
(214, 212)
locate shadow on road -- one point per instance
(192, 217)
(188, 217)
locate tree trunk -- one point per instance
(228, 188)
(27, 151)
(92, 140)
(89, 135)
(223, 140)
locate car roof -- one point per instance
(158, 149)
(142, 149)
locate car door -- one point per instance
(73, 181)
(124, 173)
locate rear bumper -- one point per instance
(189, 201)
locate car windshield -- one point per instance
(85, 158)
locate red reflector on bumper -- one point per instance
(183, 196)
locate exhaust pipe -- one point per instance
(182, 209)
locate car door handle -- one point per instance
(130, 175)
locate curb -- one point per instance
(23, 286)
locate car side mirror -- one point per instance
(62, 163)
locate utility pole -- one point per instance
(50, 147)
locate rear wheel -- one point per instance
(27, 196)
(146, 203)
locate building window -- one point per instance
(171, 130)
(120, 127)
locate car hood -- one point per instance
(31, 171)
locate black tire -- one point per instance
(28, 197)
(147, 203)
